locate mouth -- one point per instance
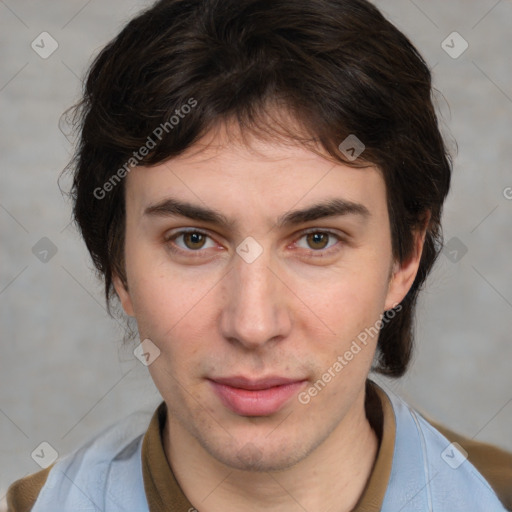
(255, 397)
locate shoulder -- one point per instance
(92, 466)
(426, 455)
(23, 493)
(494, 464)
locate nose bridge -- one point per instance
(255, 311)
(254, 283)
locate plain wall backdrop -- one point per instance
(64, 372)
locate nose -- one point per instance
(255, 312)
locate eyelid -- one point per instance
(184, 231)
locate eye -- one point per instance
(190, 241)
(317, 241)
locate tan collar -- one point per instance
(165, 495)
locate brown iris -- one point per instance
(317, 240)
(194, 240)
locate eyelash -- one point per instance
(169, 240)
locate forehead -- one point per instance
(246, 173)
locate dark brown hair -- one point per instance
(338, 67)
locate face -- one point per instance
(254, 270)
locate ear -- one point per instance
(123, 294)
(403, 274)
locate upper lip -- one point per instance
(254, 384)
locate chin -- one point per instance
(258, 456)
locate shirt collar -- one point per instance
(165, 495)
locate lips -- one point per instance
(255, 397)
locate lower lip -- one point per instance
(262, 402)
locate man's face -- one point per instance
(286, 305)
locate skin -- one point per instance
(291, 313)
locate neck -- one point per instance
(332, 477)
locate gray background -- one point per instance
(64, 372)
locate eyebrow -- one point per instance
(171, 207)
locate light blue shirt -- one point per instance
(428, 474)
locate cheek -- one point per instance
(352, 308)
(177, 322)
(164, 305)
(170, 304)
(150, 283)
(350, 297)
